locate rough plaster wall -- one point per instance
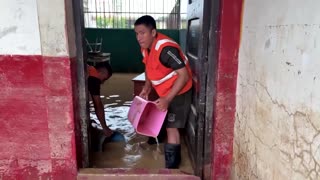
(52, 23)
(19, 30)
(70, 28)
(36, 105)
(277, 129)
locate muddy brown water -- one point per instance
(117, 95)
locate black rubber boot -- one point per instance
(172, 154)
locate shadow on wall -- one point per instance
(123, 46)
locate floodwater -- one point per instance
(117, 95)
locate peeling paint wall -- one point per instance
(277, 128)
(37, 131)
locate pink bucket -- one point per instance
(145, 117)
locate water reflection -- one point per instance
(135, 152)
(116, 117)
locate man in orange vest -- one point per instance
(97, 76)
(168, 72)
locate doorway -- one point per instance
(198, 132)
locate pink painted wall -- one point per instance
(37, 124)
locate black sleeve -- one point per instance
(94, 85)
(170, 58)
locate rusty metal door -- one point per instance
(198, 18)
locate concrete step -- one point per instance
(133, 174)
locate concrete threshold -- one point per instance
(133, 174)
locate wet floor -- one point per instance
(117, 95)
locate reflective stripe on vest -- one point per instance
(167, 77)
(162, 41)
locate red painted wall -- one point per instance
(226, 82)
(36, 118)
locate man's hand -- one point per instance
(98, 107)
(107, 132)
(162, 103)
(145, 93)
(146, 89)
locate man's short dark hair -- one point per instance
(147, 21)
(105, 65)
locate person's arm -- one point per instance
(99, 109)
(170, 57)
(94, 89)
(146, 89)
(183, 77)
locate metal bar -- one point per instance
(99, 8)
(178, 17)
(104, 15)
(117, 17)
(127, 11)
(112, 16)
(109, 15)
(129, 14)
(96, 13)
(121, 22)
(125, 16)
(163, 14)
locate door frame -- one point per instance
(213, 50)
(82, 107)
(202, 159)
(223, 48)
(227, 45)
(220, 47)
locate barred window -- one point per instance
(121, 14)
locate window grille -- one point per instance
(121, 14)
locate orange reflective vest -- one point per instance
(92, 71)
(161, 77)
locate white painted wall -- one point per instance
(36, 27)
(277, 129)
(52, 23)
(19, 29)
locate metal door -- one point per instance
(198, 20)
